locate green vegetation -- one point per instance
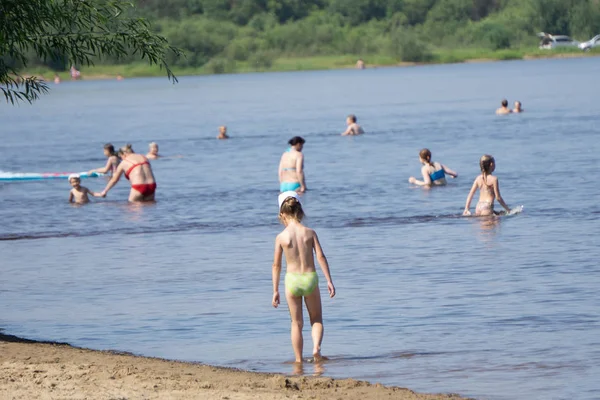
(58, 32)
(223, 36)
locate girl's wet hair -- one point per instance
(110, 148)
(485, 163)
(425, 154)
(296, 140)
(291, 208)
(127, 149)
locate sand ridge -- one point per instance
(58, 371)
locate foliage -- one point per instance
(69, 31)
(223, 36)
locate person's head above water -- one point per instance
(109, 150)
(425, 156)
(153, 148)
(487, 164)
(504, 103)
(126, 150)
(351, 119)
(297, 142)
(517, 106)
(74, 180)
(290, 208)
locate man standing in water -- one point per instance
(291, 167)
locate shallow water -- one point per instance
(499, 309)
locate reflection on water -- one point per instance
(496, 308)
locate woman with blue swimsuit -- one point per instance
(291, 167)
(434, 174)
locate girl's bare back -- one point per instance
(298, 246)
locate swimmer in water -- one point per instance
(79, 194)
(138, 171)
(291, 167)
(153, 151)
(518, 107)
(353, 128)
(504, 109)
(111, 164)
(434, 173)
(489, 190)
(298, 242)
(222, 133)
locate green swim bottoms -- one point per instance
(301, 284)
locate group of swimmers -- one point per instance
(503, 110)
(135, 167)
(298, 243)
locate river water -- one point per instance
(494, 309)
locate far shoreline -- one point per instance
(294, 64)
(42, 369)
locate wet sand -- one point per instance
(34, 370)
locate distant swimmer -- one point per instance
(111, 164)
(518, 107)
(120, 77)
(489, 189)
(353, 128)
(360, 64)
(138, 171)
(79, 194)
(222, 133)
(75, 73)
(153, 151)
(298, 243)
(56, 79)
(291, 167)
(434, 173)
(504, 109)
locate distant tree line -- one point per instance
(219, 33)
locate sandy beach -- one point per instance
(34, 370)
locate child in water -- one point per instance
(222, 133)
(298, 242)
(488, 189)
(433, 173)
(79, 194)
(153, 151)
(111, 164)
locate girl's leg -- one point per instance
(313, 304)
(295, 306)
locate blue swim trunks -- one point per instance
(285, 186)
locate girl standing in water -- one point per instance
(434, 173)
(489, 190)
(298, 243)
(111, 164)
(291, 167)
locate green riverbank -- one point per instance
(217, 66)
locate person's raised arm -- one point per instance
(300, 172)
(426, 178)
(324, 265)
(470, 198)
(113, 181)
(449, 171)
(276, 272)
(498, 196)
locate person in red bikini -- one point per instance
(138, 171)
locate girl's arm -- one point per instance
(324, 265)
(300, 172)
(449, 171)
(470, 198)
(426, 178)
(71, 197)
(113, 181)
(498, 197)
(276, 271)
(280, 169)
(103, 170)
